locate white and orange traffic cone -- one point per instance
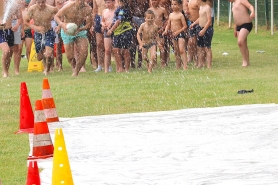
(42, 143)
(48, 103)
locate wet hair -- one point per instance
(124, 1)
(204, 0)
(149, 12)
(178, 1)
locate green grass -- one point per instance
(165, 89)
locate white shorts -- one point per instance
(54, 25)
(17, 34)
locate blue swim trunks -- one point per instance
(7, 36)
(97, 26)
(42, 40)
(67, 39)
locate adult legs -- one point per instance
(5, 58)
(108, 50)
(192, 49)
(49, 58)
(242, 43)
(81, 54)
(17, 50)
(59, 54)
(100, 51)
(118, 58)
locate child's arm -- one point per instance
(194, 23)
(115, 25)
(140, 31)
(166, 17)
(250, 7)
(168, 26)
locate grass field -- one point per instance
(165, 89)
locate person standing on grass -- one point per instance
(106, 22)
(177, 26)
(122, 35)
(76, 46)
(147, 36)
(193, 15)
(161, 17)
(7, 40)
(243, 26)
(98, 7)
(42, 14)
(205, 35)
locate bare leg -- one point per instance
(177, 53)
(5, 58)
(93, 46)
(82, 53)
(59, 54)
(28, 44)
(208, 57)
(242, 43)
(127, 59)
(17, 50)
(49, 58)
(181, 43)
(108, 50)
(201, 57)
(153, 60)
(192, 49)
(100, 51)
(69, 48)
(118, 58)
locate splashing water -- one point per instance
(10, 5)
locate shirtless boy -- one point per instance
(193, 14)
(138, 9)
(161, 17)
(177, 25)
(243, 26)
(106, 22)
(75, 12)
(98, 7)
(205, 35)
(42, 14)
(149, 33)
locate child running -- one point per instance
(177, 25)
(161, 16)
(106, 22)
(149, 32)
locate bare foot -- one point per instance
(245, 64)
(16, 73)
(83, 70)
(60, 68)
(5, 75)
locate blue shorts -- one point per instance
(123, 41)
(48, 39)
(192, 32)
(7, 36)
(97, 26)
(67, 39)
(205, 40)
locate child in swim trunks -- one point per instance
(243, 26)
(177, 25)
(147, 36)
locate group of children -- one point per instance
(185, 26)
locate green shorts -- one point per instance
(69, 39)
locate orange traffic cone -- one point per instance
(48, 103)
(26, 117)
(33, 177)
(42, 143)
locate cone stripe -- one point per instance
(39, 116)
(48, 103)
(49, 120)
(41, 128)
(50, 113)
(46, 93)
(41, 140)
